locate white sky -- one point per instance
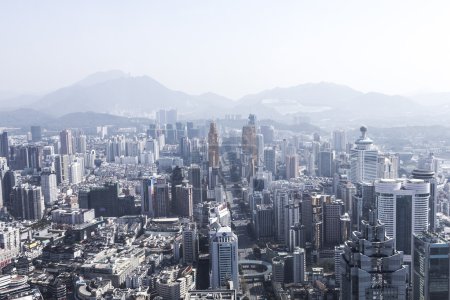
(231, 47)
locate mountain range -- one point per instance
(117, 93)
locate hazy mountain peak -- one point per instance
(101, 77)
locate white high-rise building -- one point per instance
(224, 258)
(403, 209)
(49, 187)
(363, 159)
(260, 148)
(339, 140)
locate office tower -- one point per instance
(65, 138)
(196, 181)
(332, 210)
(249, 138)
(185, 150)
(27, 202)
(292, 166)
(35, 155)
(264, 220)
(80, 144)
(213, 146)
(260, 149)
(278, 269)
(338, 251)
(270, 161)
(49, 187)
(147, 196)
(326, 163)
(162, 203)
(36, 133)
(190, 243)
(371, 267)
(403, 209)
(281, 200)
(363, 159)
(268, 131)
(171, 134)
(362, 203)
(183, 196)
(177, 178)
(299, 265)
(103, 199)
(224, 258)
(8, 182)
(4, 145)
(430, 267)
(428, 176)
(4, 197)
(339, 141)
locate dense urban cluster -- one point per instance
(202, 210)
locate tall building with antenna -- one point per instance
(363, 159)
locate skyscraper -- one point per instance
(403, 208)
(190, 243)
(428, 176)
(4, 145)
(213, 146)
(224, 258)
(196, 181)
(339, 140)
(65, 138)
(430, 268)
(371, 267)
(326, 161)
(249, 146)
(332, 230)
(292, 166)
(299, 265)
(36, 133)
(147, 196)
(363, 159)
(270, 159)
(162, 202)
(49, 187)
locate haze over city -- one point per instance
(239, 150)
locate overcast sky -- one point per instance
(228, 47)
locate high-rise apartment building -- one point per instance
(49, 187)
(292, 166)
(27, 202)
(65, 138)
